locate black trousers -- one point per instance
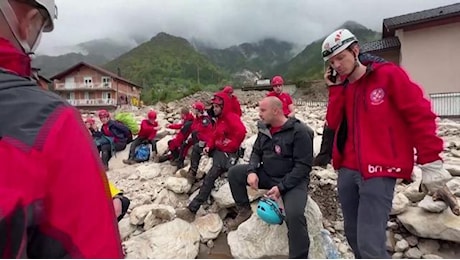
(294, 201)
(106, 151)
(138, 141)
(195, 157)
(219, 165)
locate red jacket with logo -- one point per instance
(285, 99)
(185, 130)
(389, 117)
(148, 130)
(56, 201)
(229, 131)
(203, 128)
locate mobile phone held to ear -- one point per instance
(333, 76)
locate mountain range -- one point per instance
(167, 62)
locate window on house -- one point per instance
(71, 96)
(106, 95)
(88, 81)
(86, 95)
(105, 81)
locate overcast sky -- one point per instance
(219, 22)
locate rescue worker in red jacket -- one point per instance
(236, 106)
(379, 116)
(277, 83)
(176, 145)
(147, 134)
(116, 136)
(223, 146)
(202, 131)
(55, 201)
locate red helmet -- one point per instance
(103, 113)
(152, 115)
(90, 120)
(198, 106)
(217, 100)
(228, 90)
(277, 81)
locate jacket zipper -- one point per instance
(392, 142)
(356, 128)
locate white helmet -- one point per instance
(46, 7)
(337, 42)
(51, 9)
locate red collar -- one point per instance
(13, 60)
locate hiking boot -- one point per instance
(244, 213)
(163, 158)
(129, 161)
(189, 175)
(155, 157)
(180, 164)
(185, 214)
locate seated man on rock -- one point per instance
(202, 131)
(223, 146)
(281, 162)
(147, 134)
(176, 145)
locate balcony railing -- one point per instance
(92, 102)
(446, 104)
(82, 86)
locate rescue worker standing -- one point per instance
(280, 162)
(236, 106)
(229, 133)
(55, 195)
(379, 116)
(277, 83)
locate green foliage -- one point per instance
(168, 68)
(309, 65)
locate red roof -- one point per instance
(96, 68)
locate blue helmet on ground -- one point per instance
(269, 211)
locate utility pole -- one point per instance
(198, 73)
(119, 75)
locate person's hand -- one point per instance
(117, 206)
(274, 193)
(328, 74)
(434, 176)
(253, 180)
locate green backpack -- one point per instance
(128, 120)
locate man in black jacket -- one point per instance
(281, 161)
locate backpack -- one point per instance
(142, 153)
(128, 120)
(126, 131)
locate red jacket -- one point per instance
(389, 117)
(285, 99)
(52, 180)
(182, 135)
(148, 130)
(236, 106)
(203, 128)
(229, 131)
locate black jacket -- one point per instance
(286, 156)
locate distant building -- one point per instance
(425, 44)
(90, 87)
(42, 81)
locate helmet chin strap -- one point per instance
(357, 63)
